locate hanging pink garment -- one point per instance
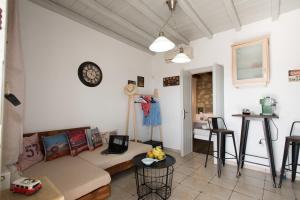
(146, 106)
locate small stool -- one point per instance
(295, 142)
(221, 134)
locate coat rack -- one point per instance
(131, 98)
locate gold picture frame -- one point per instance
(250, 62)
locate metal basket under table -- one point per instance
(154, 181)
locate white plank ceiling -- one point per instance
(137, 22)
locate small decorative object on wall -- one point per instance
(90, 74)
(250, 62)
(294, 75)
(171, 81)
(140, 81)
(132, 82)
(0, 18)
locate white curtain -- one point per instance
(14, 77)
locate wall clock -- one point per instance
(90, 74)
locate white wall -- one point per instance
(284, 55)
(53, 48)
(3, 6)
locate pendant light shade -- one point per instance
(161, 44)
(181, 57)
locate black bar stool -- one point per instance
(221, 132)
(295, 142)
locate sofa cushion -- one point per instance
(31, 152)
(77, 141)
(93, 138)
(56, 146)
(71, 175)
(105, 161)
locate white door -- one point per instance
(186, 95)
(218, 90)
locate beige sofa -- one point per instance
(88, 175)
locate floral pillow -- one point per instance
(94, 138)
(56, 146)
(31, 152)
(77, 141)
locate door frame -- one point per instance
(217, 109)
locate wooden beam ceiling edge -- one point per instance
(275, 9)
(89, 23)
(187, 7)
(146, 11)
(231, 10)
(93, 4)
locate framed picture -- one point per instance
(131, 82)
(250, 62)
(140, 81)
(171, 81)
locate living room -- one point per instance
(49, 40)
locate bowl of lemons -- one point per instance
(156, 153)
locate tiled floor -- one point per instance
(194, 182)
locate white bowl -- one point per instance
(148, 161)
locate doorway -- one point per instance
(189, 112)
(202, 109)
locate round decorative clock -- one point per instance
(90, 74)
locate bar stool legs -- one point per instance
(285, 154)
(221, 140)
(295, 156)
(210, 134)
(236, 155)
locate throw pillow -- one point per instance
(77, 141)
(105, 135)
(31, 152)
(94, 138)
(56, 146)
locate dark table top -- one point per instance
(256, 116)
(169, 161)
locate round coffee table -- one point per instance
(154, 181)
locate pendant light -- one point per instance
(181, 57)
(163, 44)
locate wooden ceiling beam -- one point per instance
(231, 10)
(146, 11)
(275, 9)
(187, 7)
(93, 4)
(89, 23)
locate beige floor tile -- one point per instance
(216, 191)
(179, 177)
(118, 193)
(285, 190)
(249, 190)
(183, 192)
(205, 196)
(251, 181)
(184, 170)
(128, 184)
(205, 173)
(274, 196)
(193, 163)
(253, 174)
(224, 182)
(195, 183)
(239, 196)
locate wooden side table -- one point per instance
(48, 192)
